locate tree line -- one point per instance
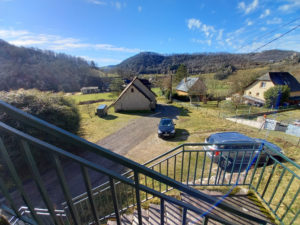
(28, 68)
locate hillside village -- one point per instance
(121, 111)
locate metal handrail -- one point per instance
(96, 167)
(73, 139)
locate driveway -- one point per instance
(120, 142)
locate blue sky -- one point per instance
(109, 31)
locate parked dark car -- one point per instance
(238, 148)
(166, 128)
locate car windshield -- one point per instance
(166, 123)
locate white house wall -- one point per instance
(132, 101)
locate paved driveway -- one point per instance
(120, 142)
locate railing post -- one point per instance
(138, 198)
(115, 201)
(182, 161)
(162, 211)
(205, 220)
(184, 216)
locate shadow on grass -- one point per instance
(180, 135)
(109, 117)
(137, 112)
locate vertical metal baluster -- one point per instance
(115, 201)
(175, 167)
(196, 166)
(205, 220)
(217, 174)
(167, 173)
(292, 202)
(233, 165)
(63, 184)
(182, 161)
(159, 180)
(211, 163)
(38, 180)
(226, 164)
(17, 181)
(126, 191)
(255, 168)
(162, 211)
(277, 185)
(5, 192)
(88, 187)
(285, 192)
(203, 167)
(295, 217)
(269, 179)
(146, 186)
(138, 199)
(239, 174)
(262, 172)
(153, 180)
(184, 216)
(250, 160)
(189, 167)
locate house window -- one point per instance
(257, 94)
(249, 92)
(263, 84)
(132, 90)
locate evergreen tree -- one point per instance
(273, 94)
(180, 73)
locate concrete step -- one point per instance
(240, 202)
(154, 214)
(145, 217)
(173, 214)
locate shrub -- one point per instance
(53, 108)
(272, 94)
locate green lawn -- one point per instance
(89, 97)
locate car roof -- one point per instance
(165, 118)
(230, 137)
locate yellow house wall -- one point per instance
(295, 93)
(255, 88)
(132, 101)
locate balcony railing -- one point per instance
(179, 170)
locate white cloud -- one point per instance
(55, 42)
(208, 30)
(199, 41)
(197, 24)
(102, 61)
(140, 8)
(265, 13)
(220, 35)
(97, 2)
(263, 28)
(275, 20)
(248, 8)
(291, 6)
(194, 24)
(249, 23)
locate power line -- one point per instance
(294, 28)
(270, 32)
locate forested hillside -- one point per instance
(45, 70)
(149, 62)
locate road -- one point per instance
(120, 142)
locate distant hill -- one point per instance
(150, 62)
(28, 68)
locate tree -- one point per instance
(116, 85)
(277, 93)
(180, 73)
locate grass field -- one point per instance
(108, 96)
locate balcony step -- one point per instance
(240, 202)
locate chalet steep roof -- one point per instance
(280, 78)
(128, 86)
(185, 85)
